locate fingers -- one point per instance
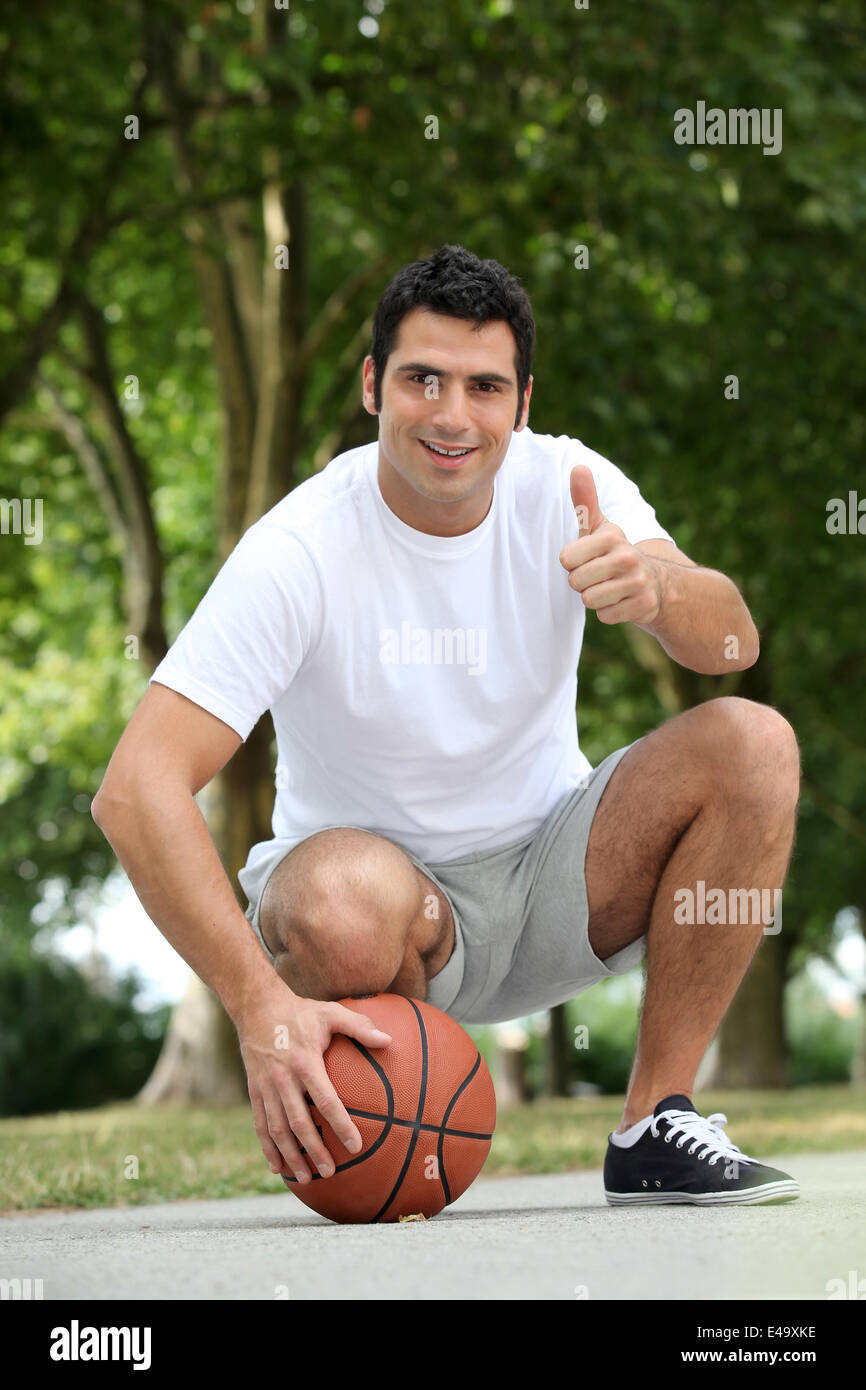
(321, 1090)
(584, 549)
(343, 1020)
(288, 1152)
(331, 1109)
(292, 1128)
(284, 1124)
(281, 1115)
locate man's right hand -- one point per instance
(283, 1040)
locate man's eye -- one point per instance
(427, 378)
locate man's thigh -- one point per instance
(652, 797)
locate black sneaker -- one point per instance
(683, 1157)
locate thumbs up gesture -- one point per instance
(611, 576)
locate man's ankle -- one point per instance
(643, 1106)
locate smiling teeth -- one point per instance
(448, 453)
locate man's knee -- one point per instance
(752, 745)
(340, 912)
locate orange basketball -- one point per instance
(425, 1109)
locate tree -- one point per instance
(213, 280)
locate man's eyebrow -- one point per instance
(435, 371)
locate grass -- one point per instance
(90, 1158)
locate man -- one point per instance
(413, 616)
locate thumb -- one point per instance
(584, 499)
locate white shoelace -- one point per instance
(705, 1134)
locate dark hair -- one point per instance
(456, 283)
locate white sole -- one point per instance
(770, 1193)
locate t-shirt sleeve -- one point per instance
(256, 624)
(619, 498)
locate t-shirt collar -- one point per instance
(421, 541)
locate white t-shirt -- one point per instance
(422, 687)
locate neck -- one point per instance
(427, 514)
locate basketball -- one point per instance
(424, 1106)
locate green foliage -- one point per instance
(555, 131)
(822, 1043)
(602, 1028)
(600, 1056)
(69, 1042)
(610, 1016)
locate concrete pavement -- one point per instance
(549, 1237)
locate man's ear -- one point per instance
(370, 409)
(524, 414)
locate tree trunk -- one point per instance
(751, 1036)
(509, 1069)
(558, 1054)
(858, 1062)
(201, 1060)
(749, 1045)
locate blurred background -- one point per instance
(167, 374)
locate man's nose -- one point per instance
(450, 412)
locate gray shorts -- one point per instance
(520, 915)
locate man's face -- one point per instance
(449, 384)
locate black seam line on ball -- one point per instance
(416, 1128)
(440, 1147)
(388, 1119)
(411, 1124)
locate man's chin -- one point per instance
(447, 489)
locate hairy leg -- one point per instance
(712, 795)
(348, 913)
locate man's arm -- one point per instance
(170, 749)
(145, 807)
(697, 615)
(702, 622)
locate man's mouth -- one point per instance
(447, 456)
